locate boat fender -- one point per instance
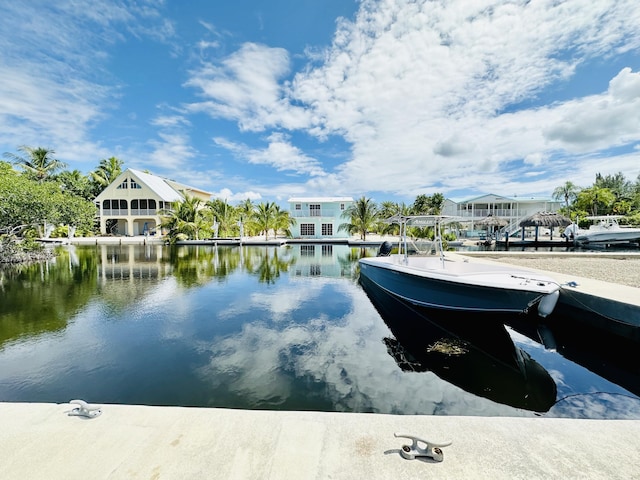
(385, 249)
(548, 303)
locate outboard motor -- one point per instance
(385, 249)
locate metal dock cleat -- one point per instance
(84, 409)
(432, 450)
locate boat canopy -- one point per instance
(421, 220)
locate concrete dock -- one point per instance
(611, 307)
(41, 441)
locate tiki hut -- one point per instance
(492, 223)
(544, 219)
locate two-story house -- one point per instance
(511, 209)
(319, 217)
(131, 204)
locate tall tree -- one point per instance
(264, 217)
(107, 171)
(76, 183)
(617, 184)
(567, 192)
(428, 204)
(27, 202)
(363, 217)
(226, 215)
(387, 210)
(37, 162)
(595, 200)
(186, 220)
(283, 221)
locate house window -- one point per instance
(315, 270)
(327, 250)
(115, 206)
(314, 210)
(327, 229)
(124, 185)
(342, 206)
(307, 250)
(307, 229)
(298, 206)
(134, 184)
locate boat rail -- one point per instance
(434, 246)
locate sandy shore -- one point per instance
(615, 268)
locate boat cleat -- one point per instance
(432, 450)
(84, 409)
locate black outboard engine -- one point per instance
(385, 249)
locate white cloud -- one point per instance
(228, 195)
(171, 150)
(279, 153)
(54, 84)
(599, 121)
(423, 91)
(245, 87)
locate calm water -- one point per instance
(288, 328)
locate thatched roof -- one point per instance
(545, 219)
(492, 221)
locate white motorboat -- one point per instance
(431, 278)
(604, 230)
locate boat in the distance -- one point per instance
(433, 278)
(604, 230)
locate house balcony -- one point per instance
(140, 212)
(110, 212)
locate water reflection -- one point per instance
(476, 354)
(257, 327)
(39, 298)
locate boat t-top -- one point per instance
(432, 278)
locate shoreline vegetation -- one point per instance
(613, 267)
(17, 252)
(41, 197)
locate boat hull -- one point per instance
(609, 237)
(450, 291)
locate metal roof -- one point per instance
(158, 185)
(320, 199)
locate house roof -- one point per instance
(320, 199)
(159, 185)
(167, 190)
(493, 198)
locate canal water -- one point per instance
(285, 328)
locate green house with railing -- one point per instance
(319, 217)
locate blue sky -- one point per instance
(383, 98)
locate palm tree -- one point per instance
(223, 213)
(246, 212)
(363, 216)
(107, 171)
(264, 217)
(568, 191)
(186, 220)
(387, 210)
(283, 220)
(38, 162)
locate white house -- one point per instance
(319, 217)
(511, 209)
(133, 200)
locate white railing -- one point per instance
(115, 213)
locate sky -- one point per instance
(387, 99)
